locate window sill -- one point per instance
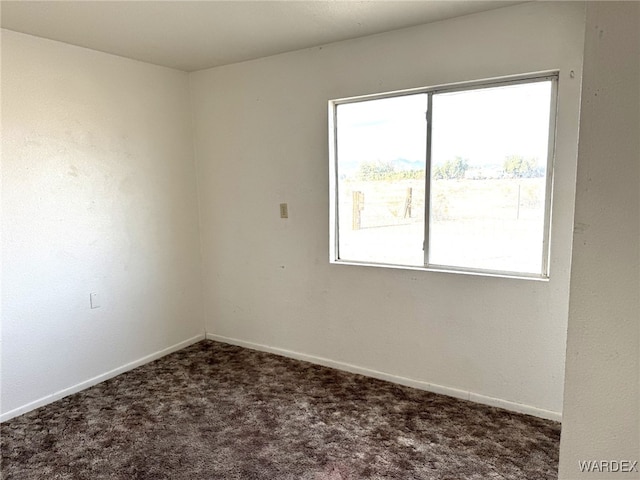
(447, 270)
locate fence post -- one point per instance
(358, 206)
(407, 202)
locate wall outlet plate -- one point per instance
(94, 300)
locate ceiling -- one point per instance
(193, 35)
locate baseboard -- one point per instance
(98, 379)
(430, 387)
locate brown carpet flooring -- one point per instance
(215, 411)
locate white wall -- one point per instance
(602, 404)
(261, 139)
(98, 196)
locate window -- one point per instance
(450, 178)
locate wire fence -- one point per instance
(377, 204)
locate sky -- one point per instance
(483, 126)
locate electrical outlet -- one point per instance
(284, 210)
(94, 300)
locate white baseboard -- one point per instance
(430, 387)
(98, 379)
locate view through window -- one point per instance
(449, 178)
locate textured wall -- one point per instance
(261, 139)
(602, 404)
(98, 196)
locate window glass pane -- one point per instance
(381, 151)
(489, 157)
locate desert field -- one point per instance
(494, 224)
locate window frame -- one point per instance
(334, 232)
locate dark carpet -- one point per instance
(215, 411)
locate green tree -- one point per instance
(516, 166)
(451, 169)
(374, 171)
(385, 171)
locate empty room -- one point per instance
(320, 240)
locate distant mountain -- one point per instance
(405, 164)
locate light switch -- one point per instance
(284, 210)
